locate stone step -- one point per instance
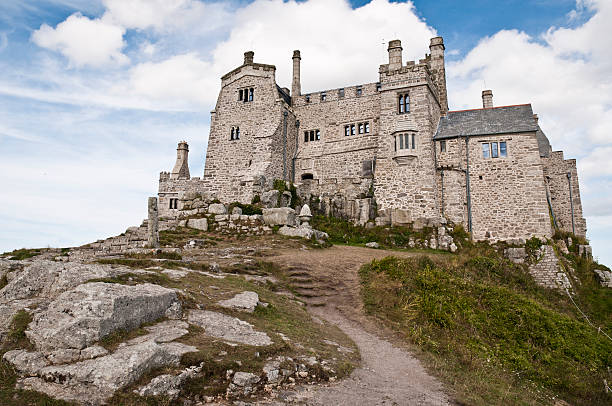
(313, 293)
(315, 302)
(300, 278)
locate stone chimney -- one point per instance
(395, 54)
(438, 70)
(536, 118)
(181, 167)
(248, 57)
(487, 99)
(296, 87)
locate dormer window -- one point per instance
(404, 103)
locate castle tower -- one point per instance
(436, 64)
(487, 99)
(181, 167)
(296, 87)
(395, 54)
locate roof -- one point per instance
(543, 143)
(496, 120)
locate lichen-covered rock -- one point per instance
(303, 232)
(279, 216)
(198, 224)
(242, 383)
(373, 244)
(217, 208)
(92, 311)
(27, 363)
(246, 301)
(269, 199)
(168, 385)
(94, 381)
(228, 328)
(163, 332)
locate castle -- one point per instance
(387, 152)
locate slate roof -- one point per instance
(496, 120)
(543, 144)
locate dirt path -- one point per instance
(388, 375)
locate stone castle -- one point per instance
(387, 152)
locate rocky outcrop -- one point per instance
(169, 385)
(92, 311)
(228, 328)
(245, 301)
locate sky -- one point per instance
(95, 94)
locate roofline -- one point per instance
(481, 134)
(489, 108)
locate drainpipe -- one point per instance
(467, 183)
(569, 182)
(442, 190)
(297, 136)
(552, 212)
(285, 145)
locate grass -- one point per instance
(23, 253)
(342, 231)
(3, 281)
(491, 334)
(182, 235)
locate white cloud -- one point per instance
(84, 41)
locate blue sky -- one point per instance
(95, 95)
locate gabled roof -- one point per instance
(496, 120)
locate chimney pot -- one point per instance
(487, 99)
(248, 57)
(395, 54)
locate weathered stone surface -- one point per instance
(217, 208)
(27, 363)
(163, 332)
(236, 211)
(91, 311)
(516, 255)
(242, 383)
(547, 272)
(585, 251)
(64, 356)
(303, 232)
(373, 244)
(198, 224)
(605, 277)
(279, 216)
(47, 279)
(97, 379)
(92, 352)
(168, 385)
(246, 301)
(175, 274)
(228, 328)
(270, 198)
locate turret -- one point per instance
(436, 65)
(296, 87)
(181, 167)
(395, 54)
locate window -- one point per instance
(232, 134)
(312, 135)
(352, 129)
(346, 131)
(404, 103)
(486, 151)
(359, 91)
(503, 153)
(341, 93)
(240, 95)
(323, 96)
(251, 94)
(361, 128)
(367, 128)
(245, 95)
(378, 87)
(306, 176)
(404, 141)
(173, 204)
(442, 146)
(494, 151)
(235, 133)
(307, 98)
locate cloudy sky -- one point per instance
(95, 94)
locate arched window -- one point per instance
(306, 176)
(404, 103)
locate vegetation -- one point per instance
(23, 253)
(247, 209)
(182, 235)
(487, 330)
(3, 281)
(282, 187)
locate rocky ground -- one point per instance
(261, 320)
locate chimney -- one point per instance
(438, 70)
(395, 54)
(535, 117)
(487, 99)
(296, 87)
(248, 57)
(181, 167)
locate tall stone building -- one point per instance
(386, 152)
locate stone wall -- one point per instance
(508, 195)
(547, 272)
(556, 170)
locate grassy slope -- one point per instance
(490, 333)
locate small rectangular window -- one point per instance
(305, 136)
(442, 146)
(251, 94)
(307, 98)
(401, 141)
(407, 142)
(486, 151)
(378, 87)
(367, 128)
(413, 141)
(401, 103)
(494, 153)
(317, 135)
(340, 93)
(323, 96)
(352, 129)
(312, 136)
(346, 130)
(360, 128)
(240, 95)
(407, 103)
(502, 149)
(359, 91)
